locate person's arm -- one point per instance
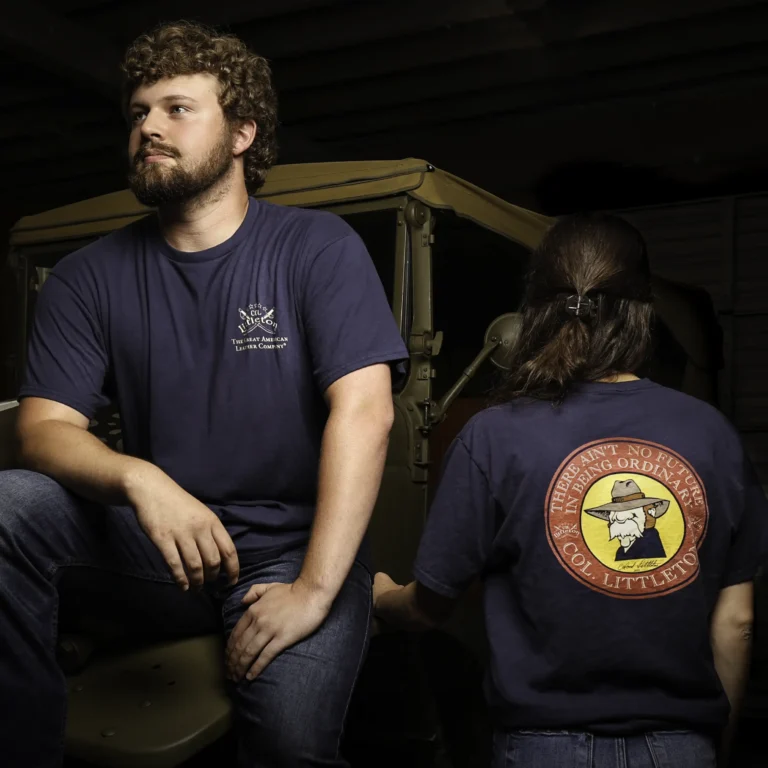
(454, 547)
(746, 513)
(731, 636)
(413, 608)
(351, 336)
(353, 452)
(64, 385)
(54, 440)
(352, 458)
(67, 364)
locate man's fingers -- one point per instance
(268, 654)
(209, 552)
(237, 635)
(227, 551)
(255, 592)
(193, 562)
(252, 651)
(170, 554)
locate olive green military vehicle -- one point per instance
(452, 259)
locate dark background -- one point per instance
(549, 103)
(557, 105)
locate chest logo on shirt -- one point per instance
(257, 325)
(627, 517)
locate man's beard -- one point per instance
(627, 531)
(158, 184)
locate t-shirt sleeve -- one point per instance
(749, 540)
(457, 539)
(346, 316)
(66, 357)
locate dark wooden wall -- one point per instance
(721, 245)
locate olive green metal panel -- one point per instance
(418, 393)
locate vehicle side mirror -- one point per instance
(500, 338)
(505, 330)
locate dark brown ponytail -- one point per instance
(587, 312)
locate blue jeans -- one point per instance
(566, 749)
(292, 715)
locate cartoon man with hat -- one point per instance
(631, 518)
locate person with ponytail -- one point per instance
(617, 527)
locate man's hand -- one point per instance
(382, 584)
(412, 607)
(278, 616)
(192, 540)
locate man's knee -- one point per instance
(27, 498)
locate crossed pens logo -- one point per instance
(257, 317)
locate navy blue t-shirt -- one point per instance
(218, 359)
(603, 530)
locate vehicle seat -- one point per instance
(150, 707)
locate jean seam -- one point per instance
(652, 751)
(54, 635)
(544, 732)
(359, 662)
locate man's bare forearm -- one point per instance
(81, 462)
(352, 460)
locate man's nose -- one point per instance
(152, 125)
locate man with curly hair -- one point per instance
(248, 347)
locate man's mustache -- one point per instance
(154, 149)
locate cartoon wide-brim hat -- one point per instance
(626, 494)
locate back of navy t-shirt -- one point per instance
(218, 359)
(604, 530)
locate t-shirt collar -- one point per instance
(209, 254)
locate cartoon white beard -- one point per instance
(627, 526)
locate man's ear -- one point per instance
(243, 136)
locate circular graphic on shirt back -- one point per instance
(626, 518)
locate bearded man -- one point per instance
(248, 347)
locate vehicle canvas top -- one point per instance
(309, 185)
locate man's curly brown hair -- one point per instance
(246, 91)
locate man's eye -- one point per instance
(137, 117)
(178, 107)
